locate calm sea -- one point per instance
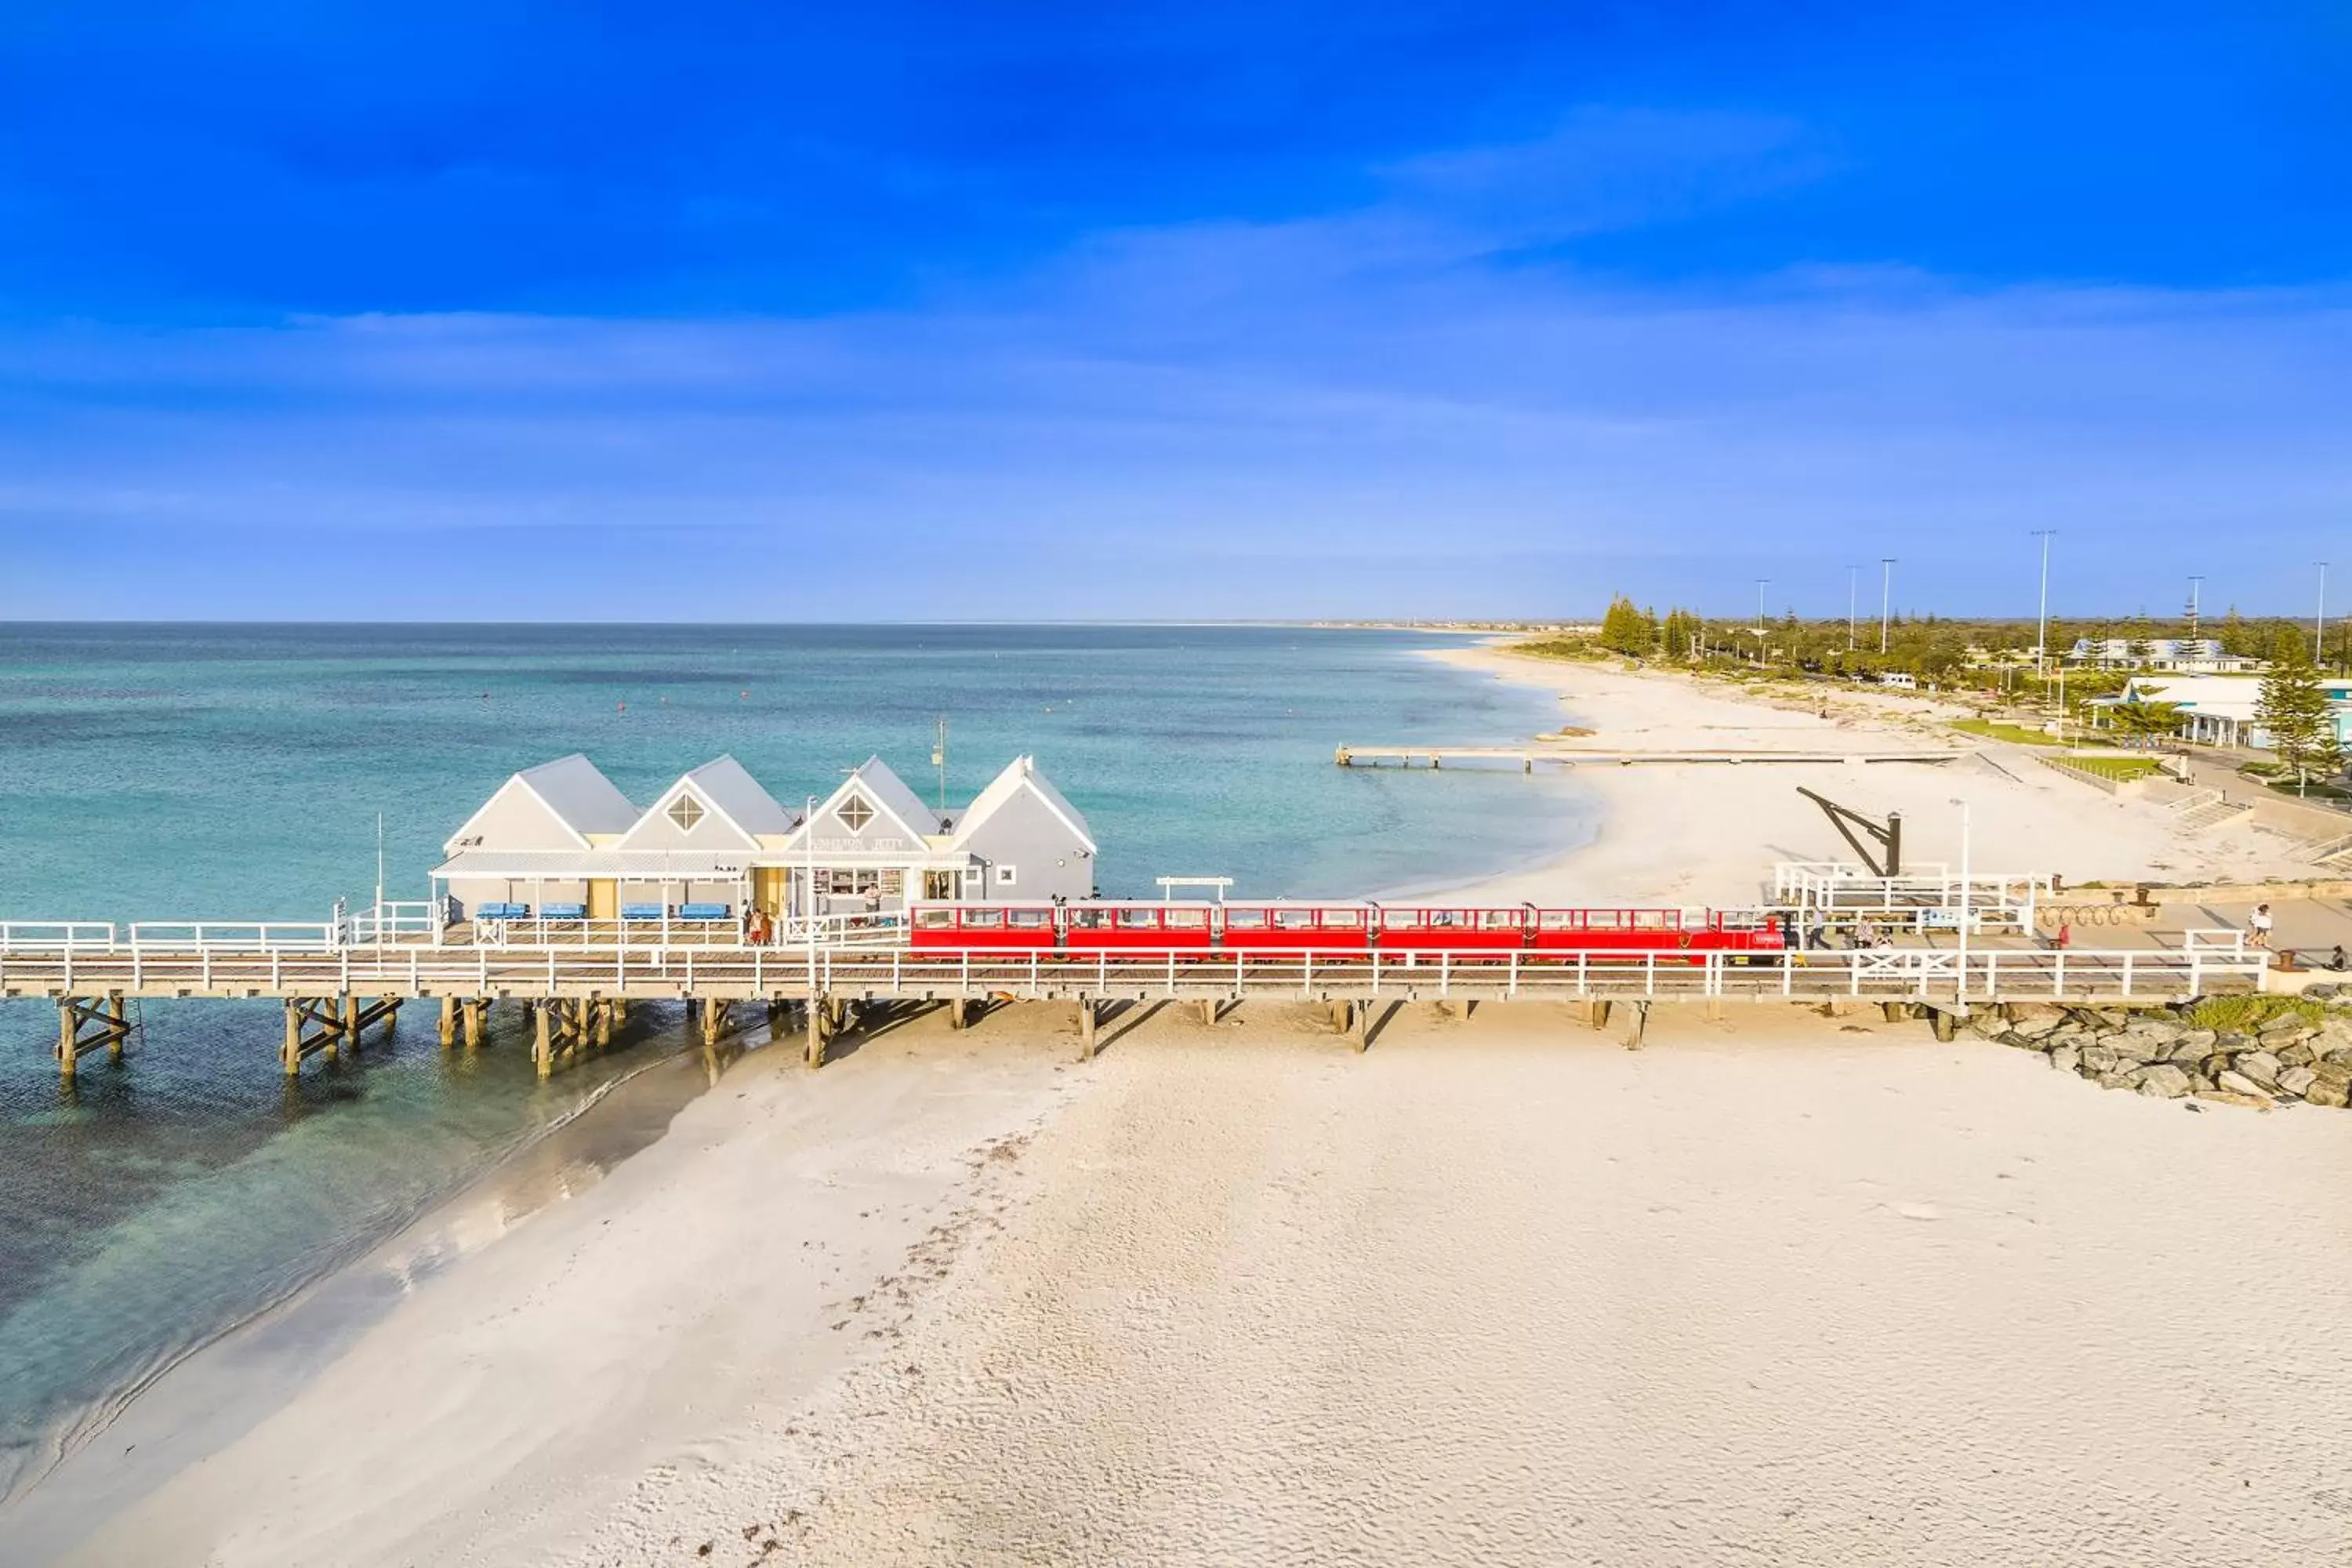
(238, 772)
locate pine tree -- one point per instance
(2294, 710)
(1623, 629)
(2235, 637)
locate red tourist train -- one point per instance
(1113, 926)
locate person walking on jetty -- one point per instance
(2258, 927)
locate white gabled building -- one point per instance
(531, 841)
(700, 843)
(1024, 841)
(868, 846)
(560, 842)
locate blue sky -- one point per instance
(697, 311)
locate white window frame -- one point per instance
(1007, 876)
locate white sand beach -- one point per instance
(1774, 1289)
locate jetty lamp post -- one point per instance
(1885, 597)
(808, 899)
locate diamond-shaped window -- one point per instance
(856, 814)
(686, 811)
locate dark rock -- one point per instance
(2163, 1081)
(2259, 1066)
(2298, 1055)
(2331, 1084)
(2233, 1082)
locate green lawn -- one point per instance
(2016, 735)
(2121, 770)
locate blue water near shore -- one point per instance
(237, 773)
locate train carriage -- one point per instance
(1453, 930)
(1638, 931)
(973, 928)
(1098, 926)
(1294, 928)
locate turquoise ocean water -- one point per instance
(237, 773)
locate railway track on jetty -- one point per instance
(334, 990)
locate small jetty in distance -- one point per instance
(1527, 756)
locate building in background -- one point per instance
(2219, 709)
(2187, 655)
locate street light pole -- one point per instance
(1965, 912)
(1885, 597)
(2042, 628)
(1761, 583)
(2319, 619)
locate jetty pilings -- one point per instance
(329, 1024)
(89, 1024)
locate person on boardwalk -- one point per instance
(2258, 926)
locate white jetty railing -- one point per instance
(2205, 963)
(1841, 887)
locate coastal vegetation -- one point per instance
(1989, 657)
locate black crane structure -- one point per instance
(1887, 835)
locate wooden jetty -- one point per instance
(1527, 757)
(335, 988)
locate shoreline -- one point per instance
(1709, 835)
(285, 1338)
(641, 1368)
(93, 1425)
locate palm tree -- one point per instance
(2147, 721)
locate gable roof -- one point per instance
(1021, 775)
(575, 793)
(889, 794)
(892, 793)
(727, 789)
(728, 785)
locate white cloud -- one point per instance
(1357, 393)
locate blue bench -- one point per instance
(644, 911)
(563, 911)
(703, 911)
(502, 911)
